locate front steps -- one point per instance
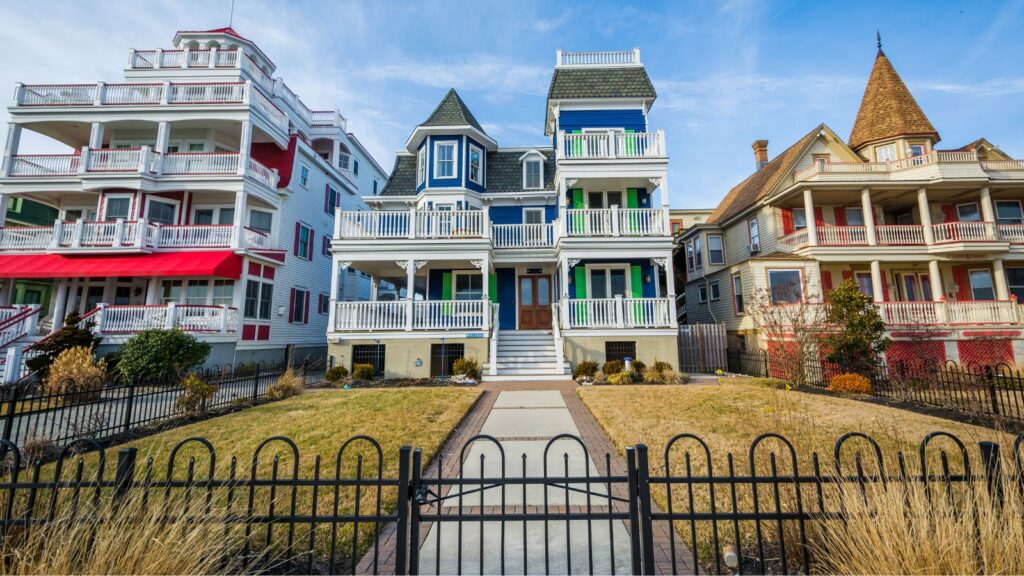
(526, 355)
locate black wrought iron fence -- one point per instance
(996, 390)
(37, 414)
(374, 509)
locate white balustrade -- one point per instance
(909, 313)
(198, 59)
(131, 319)
(933, 157)
(143, 59)
(592, 313)
(900, 234)
(45, 165)
(203, 318)
(598, 58)
(226, 59)
(619, 312)
(56, 95)
(374, 315)
(449, 223)
(200, 163)
(450, 314)
(255, 238)
(18, 322)
(187, 317)
(1000, 165)
(207, 93)
(965, 232)
(606, 145)
(641, 222)
(256, 73)
(268, 109)
(195, 236)
(25, 238)
(842, 235)
(374, 224)
(647, 312)
(103, 234)
(982, 312)
(172, 58)
(523, 235)
(113, 159)
(132, 94)
(1012, 233)
(589, 221)
(261, 173)
(795, 239)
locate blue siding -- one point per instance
(506, 298)
(483, 165)
(459, 153)
(646, 271)
(634, 119)
(514, 214)
(642, 195)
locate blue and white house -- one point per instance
(529, 259)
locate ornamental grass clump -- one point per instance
(288, 384)
(196, 392)
(467, 367)
(75, 376)
(850, 384)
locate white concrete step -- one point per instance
(516, 348)
(527, 377)
(526, 359)
(528, 371)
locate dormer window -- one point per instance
(444, 160)
(421, 166)
(533, 173)
(476, 165)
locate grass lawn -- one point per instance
(729, 415)
(318, 422)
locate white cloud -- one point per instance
(994, 87)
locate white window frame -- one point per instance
(455, 282)
(604, 198)
(890, 154)
(715, 291)
(310, 242)
(215, 208)
(304, 173)
(608, 278)
(438, 144)
(854, 209)
(1019, 208)
(469, 165)
(918, 280)
(119, 195)
(540, 172)
(248, 219)
(794, 212)
(421, 166)
(977, 208)
(991, 281)
(799, 271)
(721, 240)
(176, 203)
(739, 305)
(698, 254)
(754, 232)
(531, 210)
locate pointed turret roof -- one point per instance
(888, 109)
(452, 111)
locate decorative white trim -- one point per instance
(572, 262)
(659, 262)
(469, 164)
(455, 159)
(655, 181)
(344, 265)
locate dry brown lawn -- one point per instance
(729, 415)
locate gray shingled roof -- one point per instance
(452, 111)
(504, 174)
(627, 82)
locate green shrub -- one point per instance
(586, 368)
(638, 367)
(661, 366)
(652, 376)
(613, 367)
(288, 385)
(196, 393)
(363, 371)
(467, 367)
(336, 374)
(161, 354)
(621, 378)
(71, 335)
(76, 375)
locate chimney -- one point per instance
(760, 153)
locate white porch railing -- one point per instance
(125, 234)
(275, 115)
(640, 222)
(450, 224)
(374, 224)
(186, 317)
(194, 235)
(1012, 233)
(909, 313)
(56, 95)
(523, 235)
(206, 93)
(113, 159)
(262, 174)
(176, 163)
(965, 232)
(611, 145)
(900, 234)
(132, 94)
(794, 239)
(25, 238)
(842, 235)
(44, 165)
(255, 238)
(933, 157)
(615, 221)
(425, 315)
(127, 94)
(17, 322)
(618, 313)
(588, 222)
(617, 58)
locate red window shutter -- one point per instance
(295, 248)
(963, 283)
(787, 221)
(291, 306)
(826, 282)
(819, 218)
(847, 275)
(305, 315)
(840, 216)
(327, 199)
(309, 245)
(885, 287)
(949, 213)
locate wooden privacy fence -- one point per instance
(702, 348)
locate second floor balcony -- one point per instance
(611, 145)
(907, 235)
(128, 235)
(933, 165)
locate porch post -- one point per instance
(869, 216)
(926, 215)
(163, 136)
(876, 281)
(7, 292)
(485, 266)
(988, 213)
(999, 279)
(812, 225)
(935, 277)
(410, 292)
(332, 309)
(153, 291)
(73, 297)
(60, 303)
(563, 265)
(11, 147)
(237, 234)
(244, 143)
(96, 135)
(670, 287)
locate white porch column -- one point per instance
(335, 152)
(869, 216)
(876, 281)
(988, 213)
(332, 308)
(485, 285)
(96, 135)
(563, 265)
(108, 289)
(670, 287)
(926, 215)
(11, 147)
(7, 292)
(163, 137)
(812, 224)
(73, 297)
(935, 278)
(60, 303)
(153, 291)
(237, 233)
(999, 279)
(244, 143)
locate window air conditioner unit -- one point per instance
(754, 248)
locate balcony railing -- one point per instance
(615, 222)
(980, 312)
(523, 235)
(412, 315)
(965, 232)
(101, 94)
(186, 317)
(909, 234)
(617, 313)
(900, 234)
(412, 224)
(883, 170)
(153, 59)
(176, 163)
(618, 58)
(611, 145)
(44, 165)
(130, 234)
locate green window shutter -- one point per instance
(632, 201)
(577, 145)
(577, 198)
(492, 287)
(636, 281)
(446, 293)
(580, 281)
(630, 144)
(578, 220)
(632, 198)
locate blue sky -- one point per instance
(727, 73)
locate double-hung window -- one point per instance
(755, 235)
(532, 174)
(223, 292)
(715, 292)
(258, 299)
(469, 286)
(854, 216)
(421, 165)
(609, 282)
(1009, 212)
(885, 153)
(716, 252)
(117, 207)
(737, 293)
(968, 212)
(303, 237)
(304, 175)
(799, 219)
(981, 285)
(476, 165)
(300, 306)
(785, 286)
(444, 160)
(260, 220)
(698, 254)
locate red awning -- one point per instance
(223, 264)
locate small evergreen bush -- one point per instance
(161, 354)
(336, 374)
(613, 367)
(196, 393)
(71, 335)
(467, 367)
(76, 375)
(586, 368)
(363, 371)
(850, 384)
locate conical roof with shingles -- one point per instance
(452, 111)
(888, 109)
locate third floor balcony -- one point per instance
(83, 236)
(611, 145)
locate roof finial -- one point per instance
(878, 36)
